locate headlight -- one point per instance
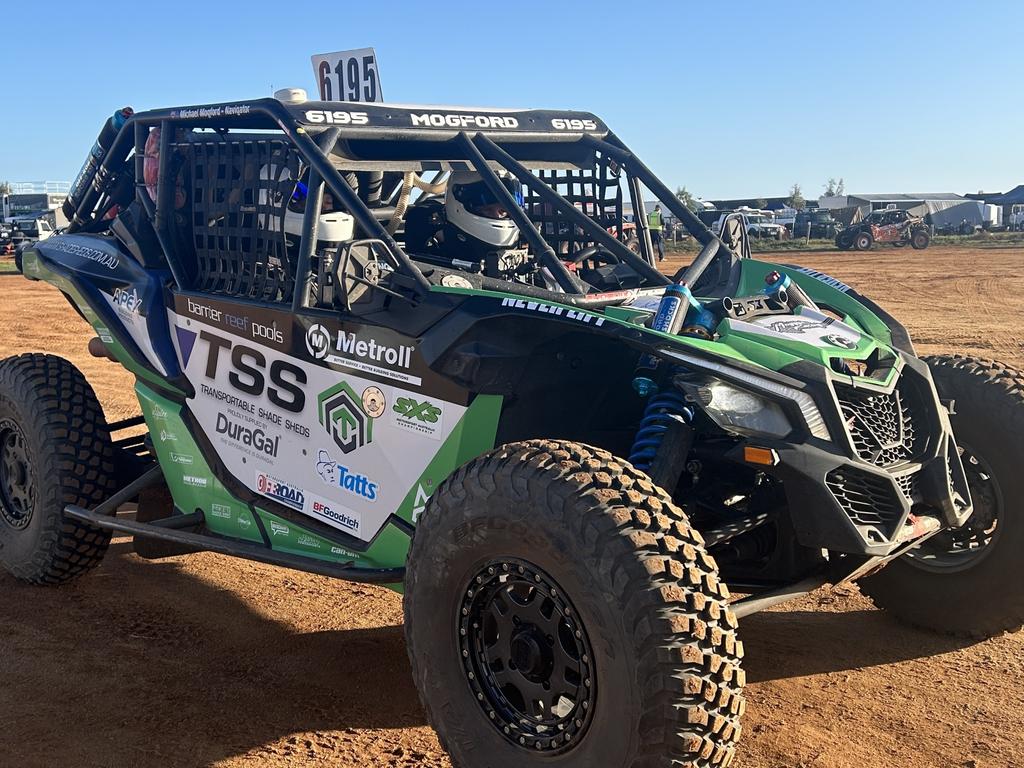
(737, 410)
(812, 416)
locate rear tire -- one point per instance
(55, 450)
(843, 243)
(633, 244)
(652, 645)
(970, 582)
(920, 239)
(863, 241)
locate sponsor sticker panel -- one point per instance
(341, 443)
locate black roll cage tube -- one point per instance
(479, 149)
(492, 151)
(545, 253)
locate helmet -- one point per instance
(473, 209)
(332, 227)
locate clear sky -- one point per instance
(730, 99)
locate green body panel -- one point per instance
(733, 344)
(193, 486)
(188, 476)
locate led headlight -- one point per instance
(738, 410)
(812, 416)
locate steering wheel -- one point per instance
(598, 253)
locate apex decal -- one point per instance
(127, 301)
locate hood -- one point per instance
(810, 336)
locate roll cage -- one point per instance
(332, 137)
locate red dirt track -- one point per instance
(204, 660)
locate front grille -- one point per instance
(869, 500)
(908, 484)
(882, 427)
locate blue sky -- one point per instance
(730, 99)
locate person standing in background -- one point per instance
(655, 224)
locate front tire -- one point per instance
(863, 241)
(55, 450)
(920, 239)
(560, 609)
(970, 581)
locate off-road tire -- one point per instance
(843, 243)
(863, 241)
(633, 243)
(987, 597)
(919, 239)
(666, 666)
(66, 457)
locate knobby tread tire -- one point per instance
(986, 599)
(638, 553)
(72, 462)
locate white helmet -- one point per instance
(473, 209)
(333, 227)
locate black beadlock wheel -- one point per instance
(559, 610)
(527, 656)
(969, 581)
(55, 450)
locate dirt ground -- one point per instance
(204, 660)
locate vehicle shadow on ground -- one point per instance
(141, 663)
(785, 644)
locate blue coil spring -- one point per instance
(662, 410)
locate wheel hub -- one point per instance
(527, 657)
(17, 493)
(964, 547)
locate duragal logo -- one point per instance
(341, 413)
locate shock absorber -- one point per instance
(664, 438)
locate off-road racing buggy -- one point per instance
(892, 226)
(398, 345)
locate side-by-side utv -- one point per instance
(402, 345)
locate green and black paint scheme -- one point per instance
(304, 400)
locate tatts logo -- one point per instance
(341, 413)
(274, 489)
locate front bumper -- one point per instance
(867, 495)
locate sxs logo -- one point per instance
(282, 381)
(342, 415)
(408, 408)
